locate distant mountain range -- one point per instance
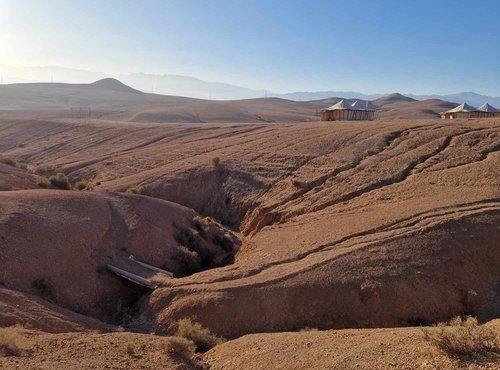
(196, 88)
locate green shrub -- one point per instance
(462, 337)
(203, 338)
(60, 180)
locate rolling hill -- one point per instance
(110, 99)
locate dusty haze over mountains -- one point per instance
(197, 88)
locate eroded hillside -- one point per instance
(343, 225)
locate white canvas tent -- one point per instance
(364, 105)
(467, 111)
(487, 108)
(344, 111)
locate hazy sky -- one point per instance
(421, 46)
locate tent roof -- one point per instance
(363, 105)
(462, 108)
(487, 108)
(340, 105)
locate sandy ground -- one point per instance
(93, 350)
(395, 348)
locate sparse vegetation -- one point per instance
(136, 190)
(80, 185)
(215, 162)
(307, 328)
(469, 302)
(16, 163)
(44, 287)
(223, 241)
(60, 180)
(8, 161)
(191, 239)
(203, 338)
(188, 259)
(44, 169)
(462, 337)
(10, 341)
(43, 182)
(130, 349)
(180, 346)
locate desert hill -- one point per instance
(391, 99)
(297, 196)
(346, 225)
(112, 100)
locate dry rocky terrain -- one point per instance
(363, 230)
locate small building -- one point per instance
(343, 111)
(462, 111)
(467, 111)
(487, 110)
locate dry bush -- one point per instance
(462, 337)
(215, 161)
(190, 238)
(44, 287)
(8, 161)
(60, 180)
(80, 185)
(16, 163)
(136, 190)
(44, 169)
(203, 338)
(307, 328)
(43, 182)
(180, 346)
(130, 349)
(187, 259)
(10, 341)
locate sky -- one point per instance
(424, 46)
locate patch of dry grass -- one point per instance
(136, 190)
(180, 346)
(215, 161)
(43, 182)
(11, 341)
(60, 180)
(203, 338)
(462, 337)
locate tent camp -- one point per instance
(487, 110)
(462, 111)
(466, 111)
(343, 111)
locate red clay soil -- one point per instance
(36, 313)
(12, 178)
(93, 350)
(395, 348)
(345, 225)
(57, 244)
